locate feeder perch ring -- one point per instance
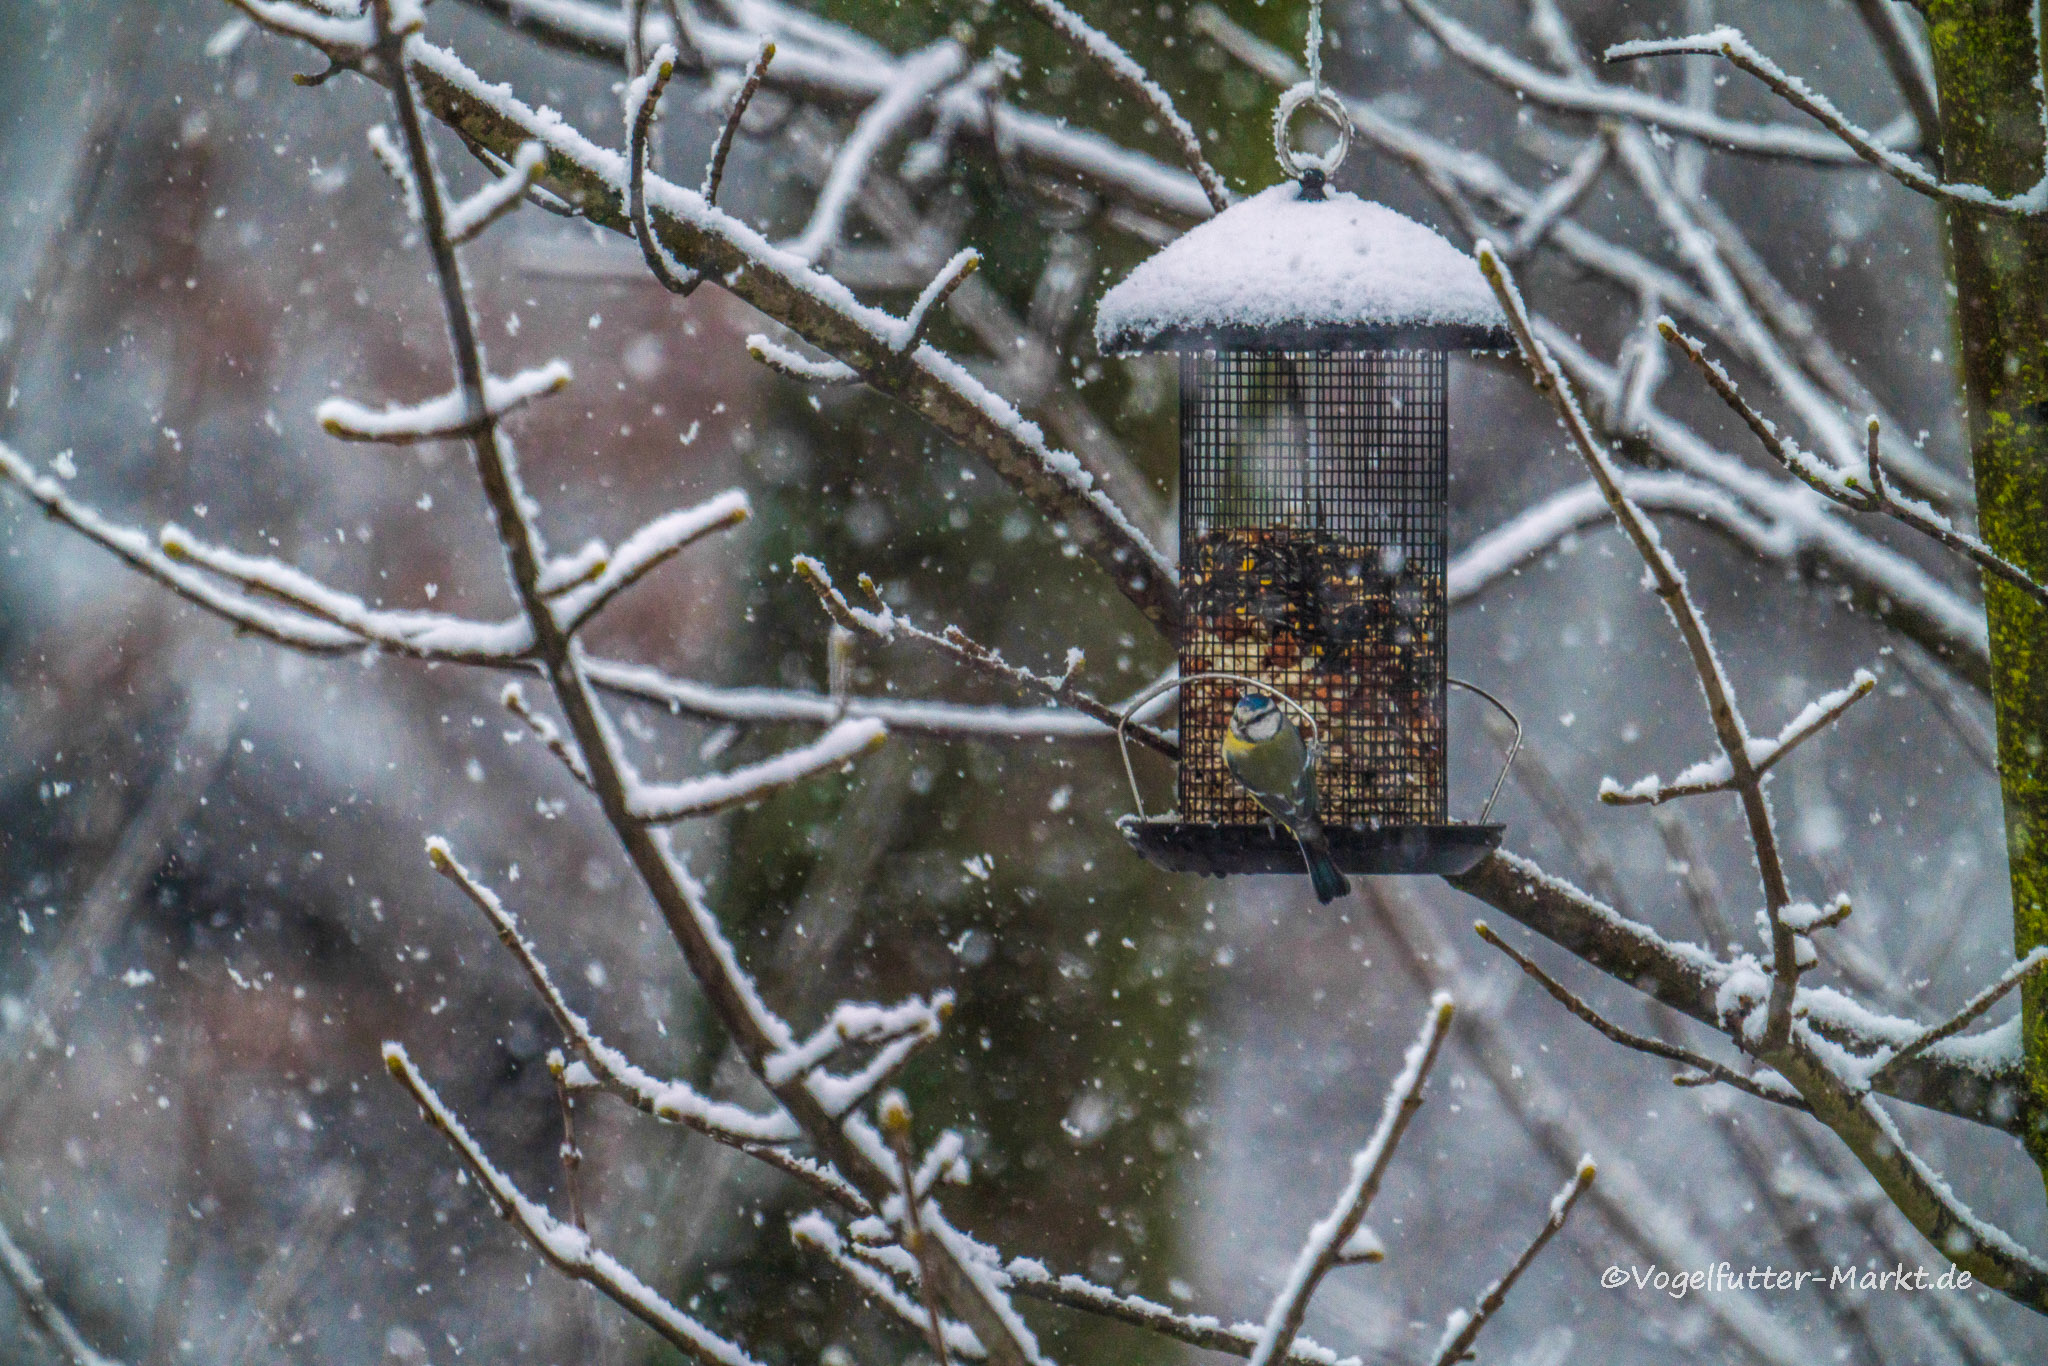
(1175, 684)
(1295, 163)
(1514, 747)
(1166, 685)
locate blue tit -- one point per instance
(1264, 751)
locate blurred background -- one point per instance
(213, 899)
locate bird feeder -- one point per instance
(1313, 330)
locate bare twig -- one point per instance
(714, 170)
(1463, 1329)
(1656, 1048)
(1324, 1249)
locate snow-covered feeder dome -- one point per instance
(1283, 270)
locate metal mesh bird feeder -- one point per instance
(1313, 330)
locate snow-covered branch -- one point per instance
(784, 361)
(1126, 71)
(1869, 492)
(666, 803)
(1718, 775)
(547, 732)
(1324, 1249)
(643, 93)
(918, 76)
(1669, 582)
(646, 550)
(564, 1247)
(934, 295)
(470, 217)
(1549, 90)
(1732, 44)
(446, 417)
(2009, 981)
(814, 305)
(1462, 1329)
(675, 1102)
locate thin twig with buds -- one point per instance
(1463, 1329)
(1325, 1247)
(1705, 1067)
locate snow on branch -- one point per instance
(2012, 978)
(139, 550)
(443, 418)
(1126, 71)
(760, 706)
(568, 1249)
(1732, 44)
(33, 1295)
(1706, 1067)
(816, 1231)
(1569, 95)
(1462, 1328)
(467, 219)
(547, 732)
(1323, 1250)
(818, 308)
(918, 76)
(1870, 492)
(384, 148)
(855, 1024)
(1718, 775)
(666, 803)
(784, 361)
(643, 93)
(949, 278)
(647, 549)
(1693, 981)
(676, 1102)
(423, 635)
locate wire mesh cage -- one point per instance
(1312, 558)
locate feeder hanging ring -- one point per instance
(1299, 164)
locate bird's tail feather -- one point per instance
(1329, 884)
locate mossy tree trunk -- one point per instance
(1987, 66)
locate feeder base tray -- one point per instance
(1221, 850)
